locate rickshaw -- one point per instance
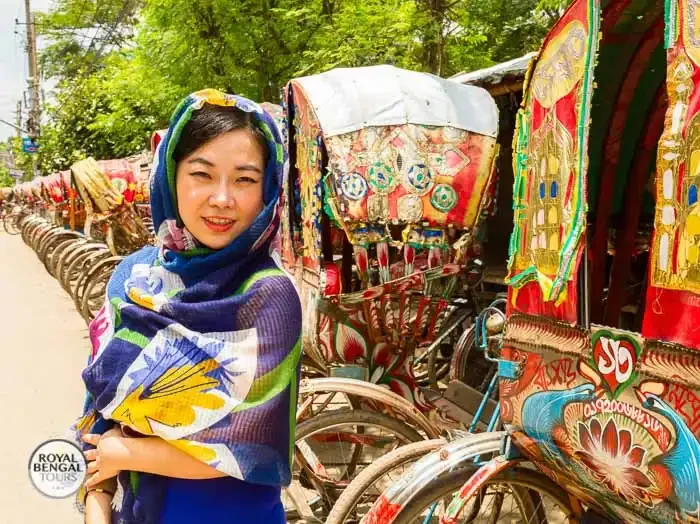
(598, 360)
(9, 210)
(108, 190)
(56, 231)
(390, 174)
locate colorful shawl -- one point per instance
(196, 346)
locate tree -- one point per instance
(5, 179)
(123, 65)
(512, 27)
(81, 33)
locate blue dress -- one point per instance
(221, 500)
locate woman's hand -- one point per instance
(108, 458)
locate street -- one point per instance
(44, 343)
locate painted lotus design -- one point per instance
(614, 460)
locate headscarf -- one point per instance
(199, 347)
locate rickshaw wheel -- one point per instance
(514, 495)
(342, 442)
(9, 222)
(51, 262)
(93, 296)
(371, 482)
(82, 268)
(432, 364)
(60, 261)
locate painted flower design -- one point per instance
(614, 460)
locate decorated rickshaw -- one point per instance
(598, 362)
(108, 189)
(390, 174)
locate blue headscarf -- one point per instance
(181, 253)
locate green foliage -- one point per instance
(5, 179)
(122, 65)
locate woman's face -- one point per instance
(220, 187)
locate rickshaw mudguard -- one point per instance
(472, 486)
(461, 453)
(374, 393)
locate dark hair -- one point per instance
(211, 121)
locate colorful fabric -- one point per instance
(199, 347)
(410, 174)
(675, 256)
(121, 174)
(550, 157)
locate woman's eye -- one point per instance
(200, 174)
(247, 180)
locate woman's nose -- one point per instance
(222, 197)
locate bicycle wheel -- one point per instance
(81, 270)
(51, 243)
(93, 296)
(366, 488)
(62, 259)
(52, 258)
(513, 496)
(333, 447)
(469, 365)
(28, 225)
(9, 222)
(44, 231)
(432, 363)
(74, 265)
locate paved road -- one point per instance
(43, 342)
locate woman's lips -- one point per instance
(219, 225)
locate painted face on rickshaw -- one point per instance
(220, 187)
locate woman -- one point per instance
(193, 378)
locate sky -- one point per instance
(13, 58)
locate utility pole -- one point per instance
(19, 118)
(35, 110)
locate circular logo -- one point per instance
(444, 198)
(57, 468)
(353, 186)
(419, 179)
(382, 178)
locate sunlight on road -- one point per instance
(44, 346)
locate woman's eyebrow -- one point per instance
(249, 167)
(200, 160)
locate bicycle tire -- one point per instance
(529, 484)
(70, 265)
(99, 274)
(50, 244)
(9, 225)
(52, 261)
(342, 417)
(352, 495)
(81, 267)
(62, 258)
